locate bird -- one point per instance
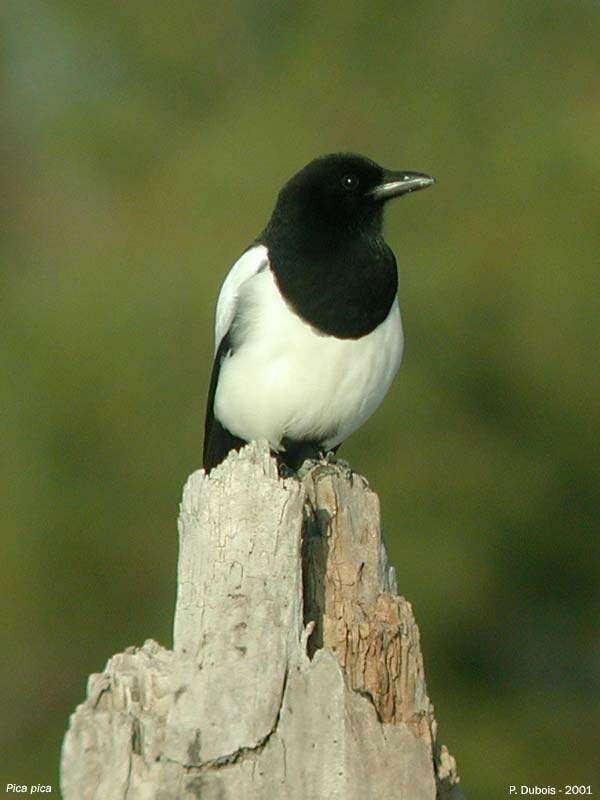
(308, 330)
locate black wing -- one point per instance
(218, 441)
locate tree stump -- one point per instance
(296, 670)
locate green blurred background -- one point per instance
(143, 145)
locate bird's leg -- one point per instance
(295, 455)
(285, 471)
(299, 458)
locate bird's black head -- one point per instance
(325, 245)
(343, 192)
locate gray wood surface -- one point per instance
(296, 670)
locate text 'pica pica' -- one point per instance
(308, 334)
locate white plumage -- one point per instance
(247, 265)
(284, 378)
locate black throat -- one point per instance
(343, 282)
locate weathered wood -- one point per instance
(296, 671)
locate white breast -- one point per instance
(286, 380)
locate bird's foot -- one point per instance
(285, 471)
(331, 458)
(300, 467)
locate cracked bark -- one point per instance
(296, 670)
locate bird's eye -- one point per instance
(350, 182)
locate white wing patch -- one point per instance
(247, 266)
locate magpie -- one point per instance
(308, 333)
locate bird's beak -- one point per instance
(396, 184)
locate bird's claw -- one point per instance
(331, 458)
(326, 459)
(285, 471)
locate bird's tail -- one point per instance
(218, 442)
